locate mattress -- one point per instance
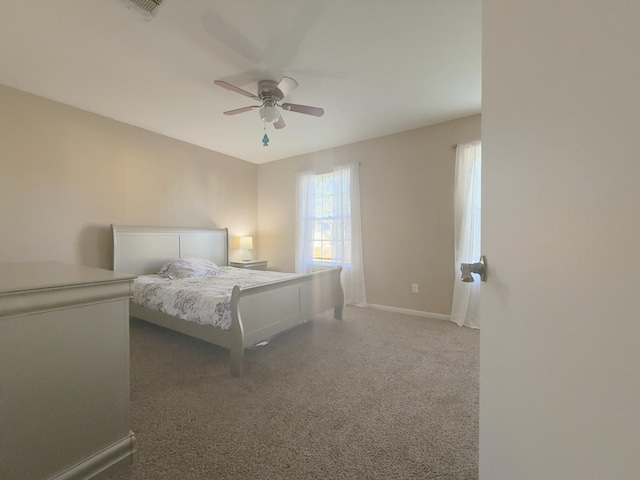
(204, 300)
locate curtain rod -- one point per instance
(455, 145)
(357, 163)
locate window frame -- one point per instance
(325, 217)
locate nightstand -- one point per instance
(251, 264)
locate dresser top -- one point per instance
(22, 276)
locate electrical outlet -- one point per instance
(414, 288)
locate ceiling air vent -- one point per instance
(148, 6)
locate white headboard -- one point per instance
(142, 250)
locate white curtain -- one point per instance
(348, 232)
(305, 219)
(467, 223)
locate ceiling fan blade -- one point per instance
(233, 88)
(241, 110)
(286, 86)
(293, 107)
(280, 123)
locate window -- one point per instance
(331, 222)
(328, 232)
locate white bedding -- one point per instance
(205, 300)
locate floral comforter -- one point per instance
(205, 300)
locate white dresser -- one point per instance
(64, 371)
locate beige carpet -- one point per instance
(376, 396)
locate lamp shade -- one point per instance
(269, 113)
(246, 243)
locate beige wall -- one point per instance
(66, 175)
(407, 211)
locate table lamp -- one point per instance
(246, 243)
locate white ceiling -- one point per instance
(376, 66)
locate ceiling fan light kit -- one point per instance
(270, 93)
(269, 113)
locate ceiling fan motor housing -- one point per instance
(268, 89)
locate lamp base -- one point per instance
(247, 256)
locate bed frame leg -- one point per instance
(236, 355)
(339, 296)
(236, 349)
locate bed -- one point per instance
(256, 312)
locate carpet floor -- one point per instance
(377, 395)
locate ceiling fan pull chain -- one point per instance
(265, 140)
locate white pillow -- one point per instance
(189, 267)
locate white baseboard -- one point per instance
(417, 313)
(102, 461)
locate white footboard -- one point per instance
(263, 311)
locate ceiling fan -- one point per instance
(270, 94)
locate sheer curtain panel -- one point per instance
(348, 232)
(467, 223)
(305, 220)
